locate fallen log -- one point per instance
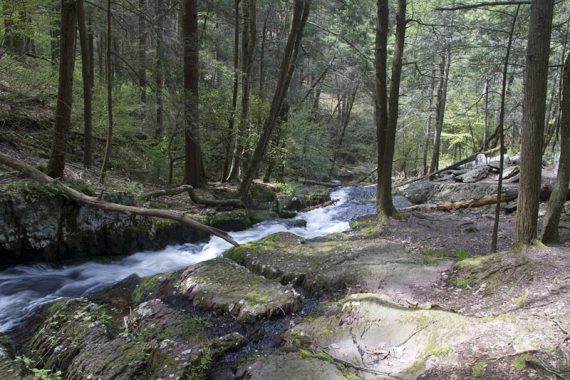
(79, 197)
(508, 196)
(467, 160)
(326, 184)
(193, 196)
(321, 205)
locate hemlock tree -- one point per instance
(560, 191)
(534, 107)
(56, 163)
(300, 15)
(387, 110)
(193, 169)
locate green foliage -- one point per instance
(201, 370)
(478, 370)
(39, 373)
(462, 254)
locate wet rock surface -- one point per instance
(223, 286)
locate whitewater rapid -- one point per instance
(23, 288)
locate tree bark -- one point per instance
(247, 53)
(560, 191)
(534, 105)
(193, 196)
(193, 169)
(502, 131)
(98, 203)
(159, 67)
(109, 70)
(142, 51)
(428, 138)
(86, 72)
(384, 205)
(441, 105)
(300, 16)
(380, 89)
(56, 164)
(231, 124)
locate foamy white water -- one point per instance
(24, 287)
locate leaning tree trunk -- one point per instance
(56, 163)
(248, 51)
(560, 191)
(534, 107)
(502, 130)
(193, 169)
(300, 16)
(231, 124)
(385, 207)
(108, 146)
(86, 72)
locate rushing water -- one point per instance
(23, 288)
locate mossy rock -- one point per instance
(333, 265)
(235, 220)
(262, 193)
(257, 216)
(225, 287)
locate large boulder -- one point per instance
(421, 192)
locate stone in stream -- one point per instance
(223, 286)
(329, 265)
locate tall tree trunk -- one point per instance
(109, 70)
(381, 91)
(87, 85)
(486, 128)
(193, 168)
(560, 190)
(91, 44)
(262, 57)
(428, 138)
(159, 67)
(300, 16)
(384, 205)
(230, 143)
(534, 106)
(502, 130)
(56, 164)
(441, 105)
(142, 51)
(247, 53)
(344, 125)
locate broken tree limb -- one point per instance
(193, 196)
(321, 205)
(326, 184)
(79, 197)
(455, 165)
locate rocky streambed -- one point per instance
(314, 302)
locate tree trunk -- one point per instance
(300, 16)
(142, 51)
(344, 125)
(428, 138)
(159, 67)
(381, 92)
(193, 169)
(56, 164)
(502, 130)
(86, 71)
(385, 207)
(109, 70)
(230, 143)
(441, 105)
(247, 53)
(534, 105)
(560, 191)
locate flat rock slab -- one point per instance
(290, 366)
(353, 263)
(372, 332)
(225, 287)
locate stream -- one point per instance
(23, 288)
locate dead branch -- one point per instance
(75, 195)
(321, 205)
(326, 184)
(193, 196)
(481, 5)
(463, 204)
